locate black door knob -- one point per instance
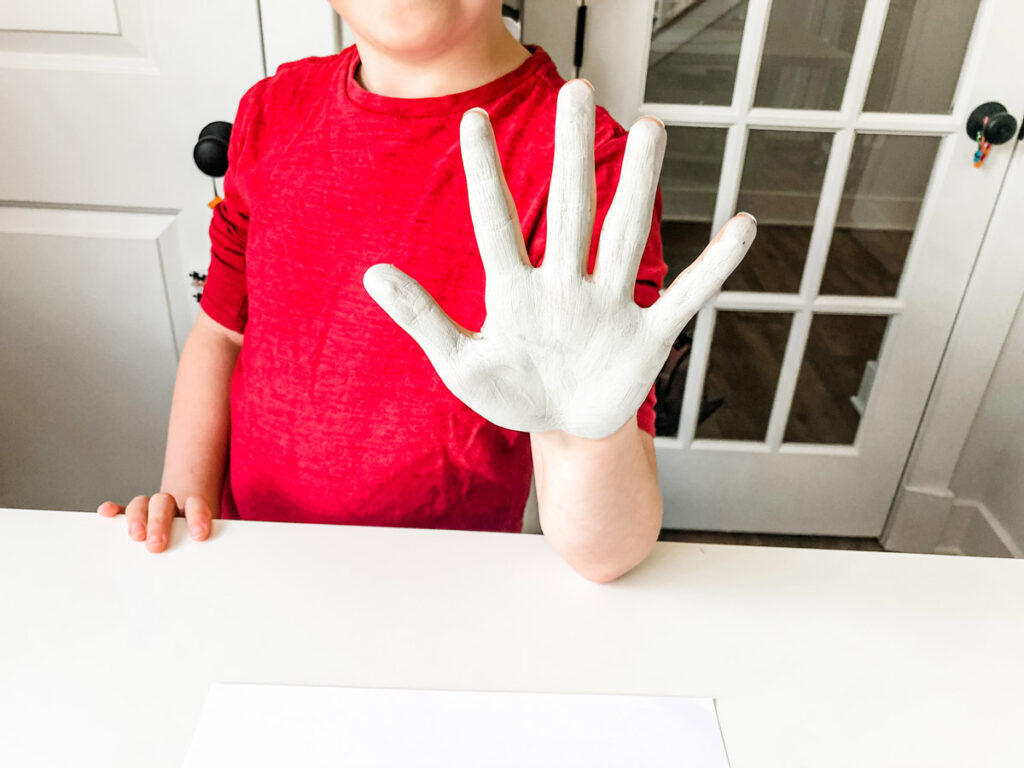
(211, 151)
(1001, 125)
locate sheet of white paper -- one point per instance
(275, 725)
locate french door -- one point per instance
(840, 124)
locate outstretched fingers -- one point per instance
(704, 277)
(416, 312)
(571, 196)
(628, 223)
(495, 221)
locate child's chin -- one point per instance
(413, 43)
(417, 29)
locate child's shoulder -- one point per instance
(310, 68)
(279, 102)
(295, 82)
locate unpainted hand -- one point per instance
(149, 518)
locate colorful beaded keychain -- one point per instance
(983, 145)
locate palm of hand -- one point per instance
(560, 349)
(552, 354)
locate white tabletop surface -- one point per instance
(816, 658)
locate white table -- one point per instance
(816, 658)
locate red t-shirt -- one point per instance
(336, 414)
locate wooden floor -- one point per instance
(748, 347)
(771, 540)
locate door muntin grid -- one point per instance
(850, 129)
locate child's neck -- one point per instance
(479, 59)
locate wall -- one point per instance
(294, 29)
(957, 494)
(990, 475)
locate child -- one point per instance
(329, 412)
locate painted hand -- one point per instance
(561, 349)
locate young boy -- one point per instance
(330, 412)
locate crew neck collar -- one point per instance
(350, 90)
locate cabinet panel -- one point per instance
(96, 16)
(87, 354)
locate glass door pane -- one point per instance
(835, 380)
(781, 185)
(689, 191)
(920, 56)
(742, 373)
(695, 45)
(807, 54)
(882, 196)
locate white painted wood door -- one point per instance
(841, 126)
(102, 216)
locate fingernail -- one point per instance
(744, 223)
(156, 542)
(655, 118)
(137, 532)
(379, 282)
(196, 531)
(584, 80)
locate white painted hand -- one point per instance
(559, 349)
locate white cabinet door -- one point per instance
(841, 126)
(103, 215)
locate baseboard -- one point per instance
(973, 530)
(934, 520)
(918, 520)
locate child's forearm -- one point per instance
(197, 435)
(599, 501)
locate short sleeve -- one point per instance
(651, 274)
(225, 298)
